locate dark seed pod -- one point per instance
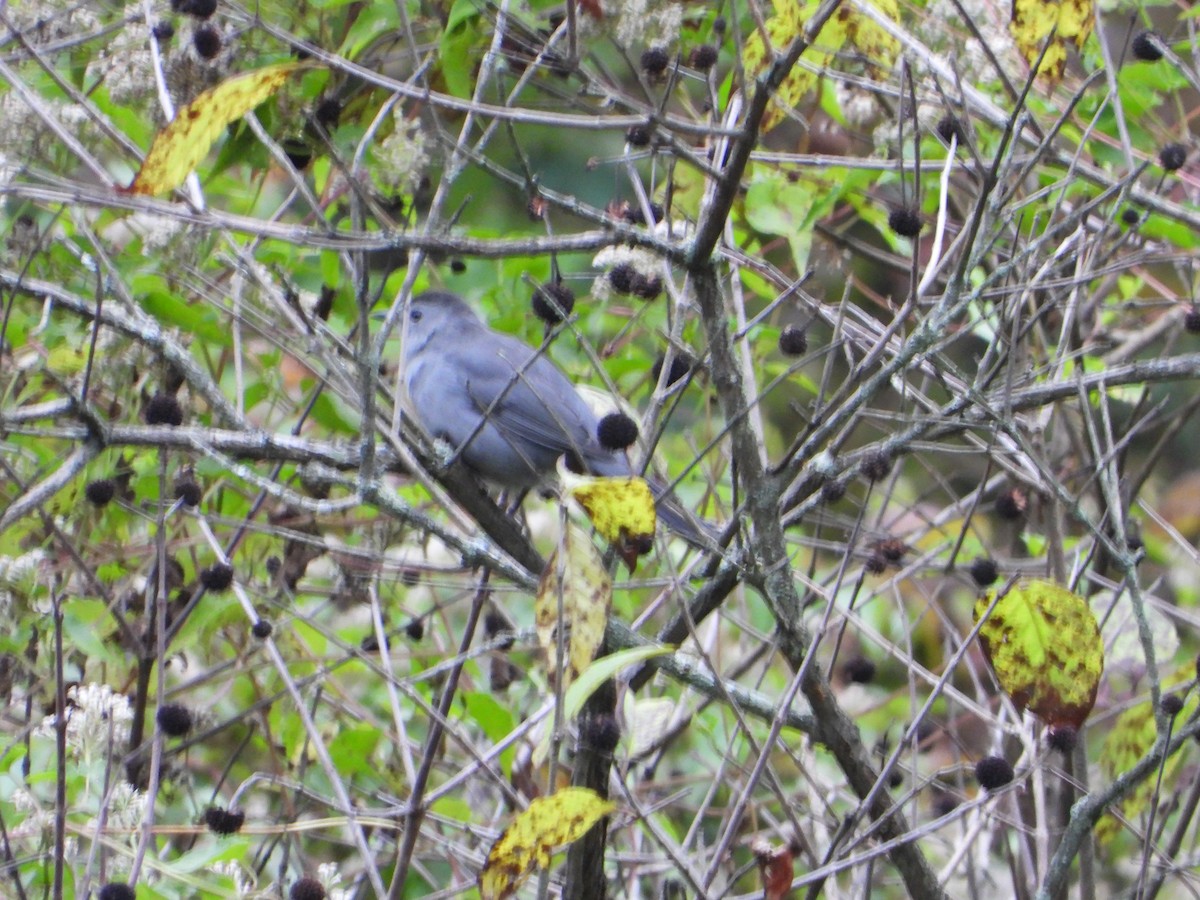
(1191, 321)
(600, 732)
(1146, 46)
(1012, 504)
(116, 890)
(993, 772)
(638, 135)
(415, 629)
(1130, 216)
(655, 61)
(1171, 704)
(224, 821)
(983, 571)
(261, 629)
(681, 364)
(1062, 738)
(703, 58)
(207, 41)
(1172, 156)
(307, 889)
(833, 490)
(646, 288)
(328, 113)
(859, 670)
(163, 31)
(905, 221)
(616, 431)
(621, 277)
(100, 491)
(174, 719)
(164, 409)
(200, 9)
(875, 564)
(950, 127)
(877, 464)
(793, 341)
(217, 578)
(458, 266)
(552, 302)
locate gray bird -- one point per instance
(507, 410)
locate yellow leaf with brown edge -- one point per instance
(549, 822)
(179, 147)
(576, 583)
(622, 509)
(1033, 21)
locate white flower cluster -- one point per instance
(99, 714)
(649, 23)
(49, 21)
(18, 576)
(401, 157)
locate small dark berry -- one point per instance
(892, 549)
(1062, 738)
(875, 564)
(552, 302)
(369, 644)
(164, 409)
(188, 491)
(904, 221)
(647, 288)
(163, 31)
(494, 623)
(703, 58)
(833, 490)
(201, 9)
(415, 630)
(324, 304)
(1172, 156)
(877, 464)
(950, 127)
(983, 571)
(634, 215)
(638, 135)
(896, 778)
(1012, 504)
(719, 25)
(115, 890)
(307, 889)
(217, 578)
(328, 113)
(616, 431)
(261, 629)
(207, 41)
(1171, 704)
(993, 772)
(1147, 46)
(622, 277)
(100, 491)
(600, 732)
(1191, 321)
(793, 341)
(457, 266)
(224, 821)
(1130, 216)
(655, 61)
(859, 670)
(174, 719)
(681, 364)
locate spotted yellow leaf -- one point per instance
(622, 509)
(1044, 645)
(1033, 21)
(846, 27)
(179, 147)
(576, 576)
(549, 822)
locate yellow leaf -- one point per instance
(622, 509)
(1033, 21)
(549, 822)
(577, 574)
(180, 146)
(1044, 644)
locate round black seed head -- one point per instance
(1191, 321)
(494, 623)
(616, 431)
(993, 772)
(163, 31)
(224, 821)
(324, 305)
(703, 58)
(647, 288)
(174, 719)
(1172, 156)
(415, 630)
(217, 578)
(793, 341)
(950, 127)
(634, 215)
(1171, 704)
(552, 302)
(600, 732)
(622, 277)
(1146, 46)
(833, 490)
(875, 564)
(115, 890)
(655, 61)
(369, 644)
(719, 25)
(1012, 504)
(983, 571)
(458, 266)
(307, 889)
(681, 364)
(1130, 216)
(100, 491)
(859, 670)
(905, 221)
(261, 629)
(207, 41)
(187, 490)
(328, 113)
(892, 549)
(201, 9)
(638, 135)
(896, 778)
(877, 464)
(1062, 738)
(164, 409)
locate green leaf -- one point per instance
(352, 749)
(197, 320)
(462, 35)
(1044, 645)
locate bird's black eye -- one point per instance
(415, 315)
